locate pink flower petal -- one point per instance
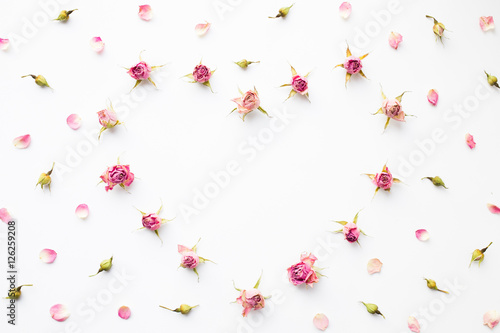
(74, 121)
(469, 139)
(202, 28)
(394, 39)
(321, 321)
(486, 23)
(432, 97)
(374, 266)
(82, 211)
(59, 312)
(145, 12)
(4, 215)
(422, 235)
(22, 141)
(493, 209)
(4, 44)
(48, 256)
(97, 44)
(124, 312)
(413, 324)
(491, 318)
(345, 9)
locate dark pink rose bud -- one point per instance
(201, 73)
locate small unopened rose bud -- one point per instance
(64, 15)
(39, 80)
(45, 179)
(15, 293)
(478, 255)
(431, 284)
(438, 28)
(283, 12)
(437, 181)
(372, 308)
(492, 80)
(244, 63)
(183, 309)
(104, 266)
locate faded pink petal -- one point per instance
(48, 256)
(183, 249)
(74, 121)
(4, 44)
(345, 9)
(124, 312)
(59, 312)
(4, 215)
(394, 40)
(82, 211)
(432, 97)
(145, 12)
(321, 321)
(97, 44)
(491, 318)
(202, 28)
(413, 324)
(469, 139)
(422, 235)
(493, 209)
(486, 23)
(22, 141)
(374, 266)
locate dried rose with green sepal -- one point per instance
(436, 181)
(392, 108)
(299, 84)
(15, 293)
(183, 309)
(39, 80)
(245, 63)
(352, 65)
(492, 80)
(438, 28)
(431, 284)
(478, 255)
(251, 299)
(383, 180)
(248, 102)
(142, 71)
(44, 179)
(64, 15)
(350, 230)
(108, 119)
(105, 265)
(283, 12)
(201, 74)
(190, 259)
(153, 222)
(373, 309)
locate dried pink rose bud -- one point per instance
(304, 271)
(374, 266)
(352, 65)
(432, 97)
(478, 255)
(59, 312)
(64, 15)
(202, 28)
(201, 74)
(383, 180)
(350, 229)
(486, 23)
(248, 102)
(48, 256)
(145, 12)
(22, 142)
(142, 71)
(469, 139)
(251, 299)
(97, 44)
(117, 175)
(298, 83)
(321, 321)
(345, 10)
(283, 12)
(438, 28)
(183, 309)
(190, 259)
(108, 119)
(4, 44)
(491, 318)
(124, 312)
(394, 39)
(392, 109)
(153, 221)
(413, 324)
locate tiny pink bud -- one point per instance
(321, 321)
(22, 141)
(48, 256)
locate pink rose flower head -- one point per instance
(469, 139)
(251, 300)
(394, 39)
(108, 118)
(140, 72)
(321, 321)
(486, 23)
(304, 271)
(117, 175)
(190, 260)
(151, 221)
(124, 312)
(145, 12)
(82, 211)
(22, 142)
(353, 65)
(59, 312)
(383, 180)
(248, 102)
(97, 44)
(491, 318)
(201, 73)
(351, 232)
(4, 215)
(413, 324)
(392, 108)
(74, 121)
(432, 97)
(300, 84)
(202, 28)
(48, 256)
(4, 44)
(345, 10)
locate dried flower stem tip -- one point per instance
(492, 80)
(183, 309)
(45, 179)
(372, 308)
(15, 293)
(64, 15)
(104, 266)
(39, 80)
(283, 12)
(478, 255)
(244, 63)
(431, 284)
(436, 181)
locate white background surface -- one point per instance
(283, 200)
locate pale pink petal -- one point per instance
(74, 121)
(82, 211)
(432, 97)
(345, 9)
(469, 139)
(374, 266)
(321, 321)
(486, 23)
(48, 256)
(413, 324)
(422, 235)
(202, 28)
(182, 249)
(491, 318)
(493, 209)
(59, 312)
(4, 215)
(124, 312)
(4, 44)
(394, 39)
(145, 12)
(22, 141)
(97, 44)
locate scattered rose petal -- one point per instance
(469, 139)
(413, 324)
(432, 97)
(145, 12)
(321, 321)
(4, 215)
(394, 39)
(97, 44)
(422, 235)
(74, 121)
(59, 312)
(124, 312)
(202, 28)
(48, 256)
(493, 209)
(374, 266)
(486, 23)
(345, 10)
(82, 211)
(4, 44)
(491, 318)
(22, 141)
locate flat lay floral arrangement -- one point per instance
(373, 234)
